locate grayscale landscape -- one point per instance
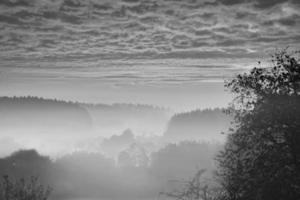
(149, 100)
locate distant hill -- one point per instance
(33, 114)
(115, 118)
(197, 125)
(56, 126)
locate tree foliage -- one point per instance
(261, 159)
(196, 188)
(23, 190)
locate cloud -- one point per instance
(70, 32)
(261, 4)
(289, 21)
(13, 3)
(135, 27)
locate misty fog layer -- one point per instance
(135, 175)
(56, 127)
(118, 151)
(125, 99)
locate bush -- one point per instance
(23, 190)
(196, 188)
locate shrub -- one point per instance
(23, 190)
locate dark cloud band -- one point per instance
(153, 28)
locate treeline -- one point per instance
(125, 106)
(39, 114)
(37, 101)
(198, 124)
(33, 114)
(93, 175)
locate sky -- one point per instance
(172, 53)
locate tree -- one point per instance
(195, 189)
(261, 159)
(23, 190)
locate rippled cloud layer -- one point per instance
(146, 28)
(54, 36)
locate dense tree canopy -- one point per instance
(23, 190)
(261, 159)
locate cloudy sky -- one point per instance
(173, 53)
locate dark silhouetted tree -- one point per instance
(261, 159)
